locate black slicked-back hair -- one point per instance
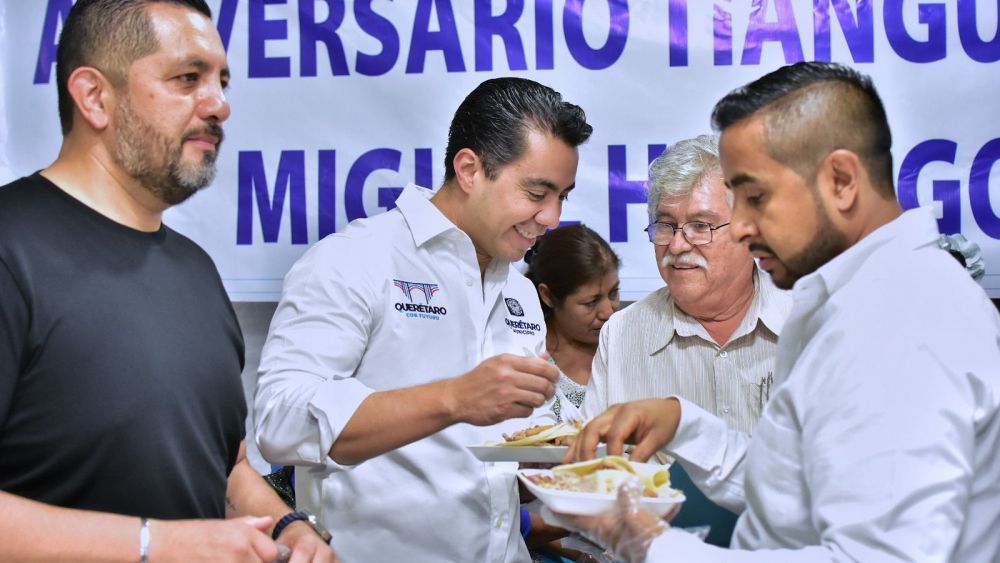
(494, 119)
(108, 35)
(811, 109)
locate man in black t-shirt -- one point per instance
(121, 405)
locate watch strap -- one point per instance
(286, 520)
(304, 516)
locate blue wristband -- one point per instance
(525, 522)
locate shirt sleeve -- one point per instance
(888, 457)
(678, 545)
(888, 453)
(306, 389)
(711, 454)
(14, 330)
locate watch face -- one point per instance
(314, 522)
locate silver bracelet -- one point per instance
(144, 541)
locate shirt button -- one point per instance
(498, 523)
(469, 282)
(725, 410)
(723, 353)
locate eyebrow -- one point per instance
(703, 215)
(739, 179)
(202, 66)
(544, 183)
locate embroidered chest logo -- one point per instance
(422, 308)
(519, 326)
(514, 307)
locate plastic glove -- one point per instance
(283, 554)
(626, 530)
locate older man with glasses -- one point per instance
(711, 334)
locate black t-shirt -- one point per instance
(120, 360)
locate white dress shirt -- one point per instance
(395, 301)
(653, 349)
(881, 438)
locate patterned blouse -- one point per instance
(573, 391)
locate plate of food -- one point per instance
(591, 487)
(545, 443)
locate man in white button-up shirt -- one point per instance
(880, 439)
(403, 339)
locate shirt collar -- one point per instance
(424, 218)
(666, 311)
(914, 228)
(766, 308)
(426, 222)
(768, 305)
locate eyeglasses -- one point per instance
(695, 232)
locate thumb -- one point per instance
(629, 496)
(262, 523)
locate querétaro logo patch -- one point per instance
(408, 287)
(519, 326)
(423, 308)
(514, 307)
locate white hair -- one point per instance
(682, 167)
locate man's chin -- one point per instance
(184, 186)
(176, 194)
(196, 178)
(514, 249)
(782, 278)
(676, 276)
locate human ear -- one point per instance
(92, 95)
(842, 172)
(468, 167)
(546, 296)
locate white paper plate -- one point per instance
(570, 502)
(525, 454)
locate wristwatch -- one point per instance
(305, 516)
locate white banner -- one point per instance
(337, 104)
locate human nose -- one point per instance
(605, 310)
(550, 213)
(679, 243)
(213, 104)
(741, 226)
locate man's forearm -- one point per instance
(34, 532)
(248, 494)
(387, 420)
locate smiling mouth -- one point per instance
(526, 234)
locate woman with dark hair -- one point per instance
(576, 274)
